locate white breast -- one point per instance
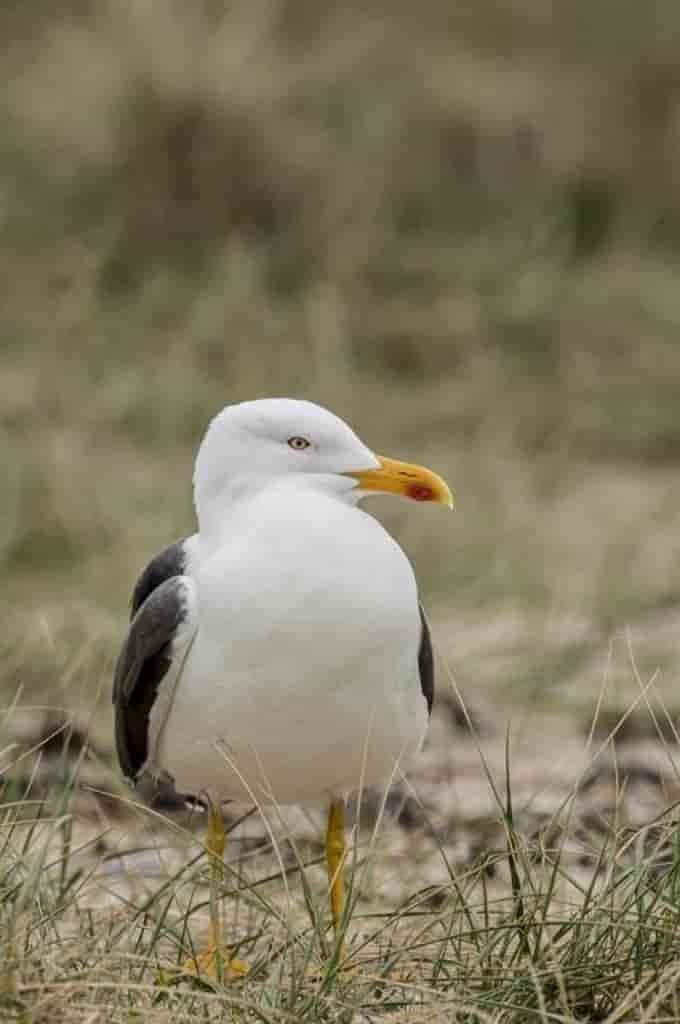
(303, 678)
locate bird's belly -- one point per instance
(311, 688)
(292, 753)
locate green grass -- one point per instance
(545, 943)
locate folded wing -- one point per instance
(161, 629)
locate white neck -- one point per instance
(215, 508)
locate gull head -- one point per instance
(250, 443)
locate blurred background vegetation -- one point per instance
(455, 224)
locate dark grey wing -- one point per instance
(426, 661)
(145, 660)
(170, 562)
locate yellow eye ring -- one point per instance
(298, 443)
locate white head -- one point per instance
(253, 442)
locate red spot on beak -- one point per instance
(420, 493)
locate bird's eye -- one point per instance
(298, 443)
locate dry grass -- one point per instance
(533, 900)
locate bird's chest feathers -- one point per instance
(296, 583)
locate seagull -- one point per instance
(280, 654)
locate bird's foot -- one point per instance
(206, 965)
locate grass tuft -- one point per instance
(88, 935)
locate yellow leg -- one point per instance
(214, 841)
(207, 961)
(335, 859)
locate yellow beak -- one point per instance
(406, 479)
